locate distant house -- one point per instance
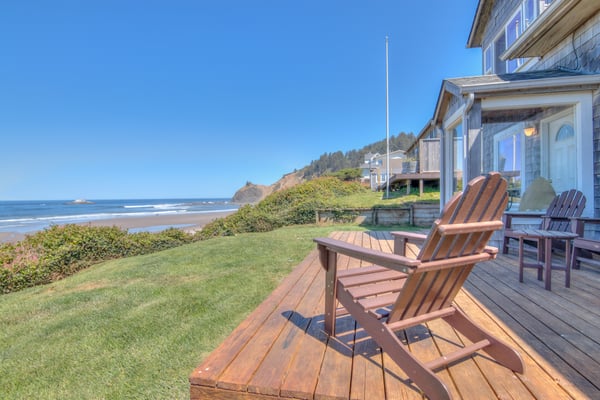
(375, 167)
(536, 110)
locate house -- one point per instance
(375, 167)
(535, 111)
(426, 149)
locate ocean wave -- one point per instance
(31, 216)
(157, 206)
(39, 223)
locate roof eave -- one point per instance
(422, 133)
(479, 20)
(448, 89)
(581, 82)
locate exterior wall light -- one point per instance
(530, 130)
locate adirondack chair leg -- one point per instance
(505, 245)
(422, 376)
(329, 263)
(499, 350)
(574, 254)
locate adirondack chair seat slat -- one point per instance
(379, 288)
(361, 271)
(421, 319)
(382, 276)
(374, 303)
(414, 291)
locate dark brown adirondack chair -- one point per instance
(398, 292)
(584, 246)
(562, 209)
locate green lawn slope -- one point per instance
(135, 328)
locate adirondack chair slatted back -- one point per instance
(564, 206)
(464, 229)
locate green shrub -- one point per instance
(61, 251)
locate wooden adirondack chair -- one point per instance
(398, 292)
(584, 245)
(562, 209)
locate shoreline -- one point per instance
(192, 221)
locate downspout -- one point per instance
(466, 111)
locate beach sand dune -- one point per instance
(192, 222)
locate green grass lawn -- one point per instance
(377, 199)
(135, 328)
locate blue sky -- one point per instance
(152, 99)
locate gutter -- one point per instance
(580, 82)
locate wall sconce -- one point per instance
(529, 130)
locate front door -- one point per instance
(562, 157)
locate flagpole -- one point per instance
(387, 123)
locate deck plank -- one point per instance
(543, 355)
(272, 370)
(552, 338)
(280, 350)
(238, 374)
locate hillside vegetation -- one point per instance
(336, 161)
(293, 206)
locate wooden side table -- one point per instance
(544, 263)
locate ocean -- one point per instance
(35, 215)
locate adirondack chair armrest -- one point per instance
(392, 261)
(578, 224)
(509, 216)
(491, 250)
(402, 239)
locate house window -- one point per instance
(526, 13)
(488, 65)
(565, 132)
(499, 47)
(529, 13)
(513, 31)
(544, 4)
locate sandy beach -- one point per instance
(192, 222)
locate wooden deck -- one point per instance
(280, 350)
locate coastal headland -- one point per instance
(189, 222)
